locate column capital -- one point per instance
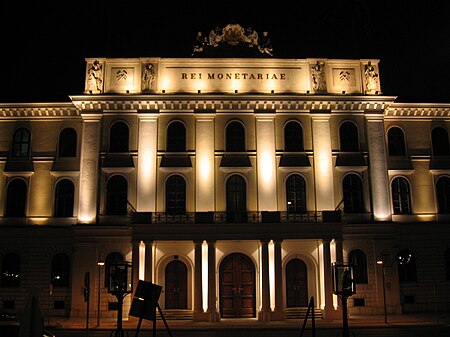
(148, 116)
(91, 116)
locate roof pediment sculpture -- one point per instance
(234, 41)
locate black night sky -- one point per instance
(44, 43)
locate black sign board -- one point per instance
(145, 300)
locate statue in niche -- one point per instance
(95, 75)
(371, 78)
(251, 37)
(148, 76)
(318, 76)
(265, 46)
(216, 37)
(200, 43)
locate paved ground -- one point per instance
(407, 325)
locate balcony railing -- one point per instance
(234, 217)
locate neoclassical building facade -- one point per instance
(232, 183)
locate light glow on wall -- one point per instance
(267, 169)
(272, 274)
(146, 187)
(142, 260)
(323, 172)
(204, 163)
(205, 276)
(265, 144)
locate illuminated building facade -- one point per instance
(233, 183)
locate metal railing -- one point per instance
(310, 311)
(234, 217)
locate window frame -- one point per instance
(19, 141)
(119, 143)
(292, 142)
(349, 138)
(176, 137)
(401, 199)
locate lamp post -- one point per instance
(100, 265)
(120, 284)
(381, 263)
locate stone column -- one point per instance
(87, 204)
(198, 288)
(148, 271)
(266, 162)
(339, 251)
(147, 155)
(204, 163)
(278, 314)
(329, 312)
(379, 181)
(323, 163)
(213, 315)
(264, 314)
(135, 262)
(339, 260)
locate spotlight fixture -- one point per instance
(272, 91)
(307, 92)
(90, 92)
(235, 91)
(128, 91)
(343, 92)
(199, 91)
(163, 91)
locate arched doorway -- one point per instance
(176, 285)
(296, 284)
(237, 287)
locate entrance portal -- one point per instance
(237, 287)
(176, 285)
(296, 284)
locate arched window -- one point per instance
(21, 144)
(175, 195)
(295, 194)
(16, 198)
(396, 142)
(235, 137)
(407, 266)
(357, 258)
(60, 270)
(236, 199)
(116, 198)
(119, 137)
(293, 137)
(447, 264)
(64, 198)
(110, 259)
(353, 194)
(401, 198)
(439, 140)
(176, 137)
(443, 195)
(348, 135)
(10, 270)
(67, 143)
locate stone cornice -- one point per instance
(224, 103)
(41, 110)
(418, 110)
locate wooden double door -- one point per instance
(176, 285)
(296, 284)
(237, 287)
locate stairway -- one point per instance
(300, 313)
